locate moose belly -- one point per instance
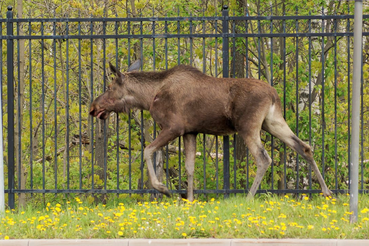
(210, 125)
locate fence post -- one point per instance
(355, 129)
(225, 50)
(10, 73)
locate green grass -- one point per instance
(266, 216)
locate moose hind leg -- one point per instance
(278, 127)
(262, 159)
(163, 138)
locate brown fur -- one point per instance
(185, 102)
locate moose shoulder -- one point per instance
(184, 102)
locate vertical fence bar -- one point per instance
(178, 41)
(335, 106)
(130, 149)
(153, 52)
(154, 67)
(179, 139)
(80, 105)
(233, 71)
(129, 39)
(191, 42)
(10, 73)
(323, 88)
(284, 101)
(19, 127)
(141, 113)
(259, 52)
(43, 108)
(129, 112)
(142, 150)
(310, 45)
(55, 111)
(225, 50)
(30, 108)
(91, 99)
(166, 44)
(204, 71)
(216, 137)
(204, 160)
(235, 161)
(166, 68)
(179, 165)
(2, 188)
(271, 83)
(297, 100)
(67, 103)
(104, 122)
(117, 123)
(203, 45)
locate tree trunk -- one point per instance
(19, 106)
(238, 63)
(65, 94)
(100, 148)
(101, 131)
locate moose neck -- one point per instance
(143, 86)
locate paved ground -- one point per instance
(186, 242)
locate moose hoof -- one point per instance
(327, 192)
(250, 197)
(163, 189)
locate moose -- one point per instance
(184, 102)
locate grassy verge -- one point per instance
(264, 217)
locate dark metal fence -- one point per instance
(55, 67)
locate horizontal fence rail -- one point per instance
(57, 66)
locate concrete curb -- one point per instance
(184, 242)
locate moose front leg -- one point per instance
(163, 139)
(190, 152)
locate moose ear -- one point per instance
(135, 66)
(114, 70)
